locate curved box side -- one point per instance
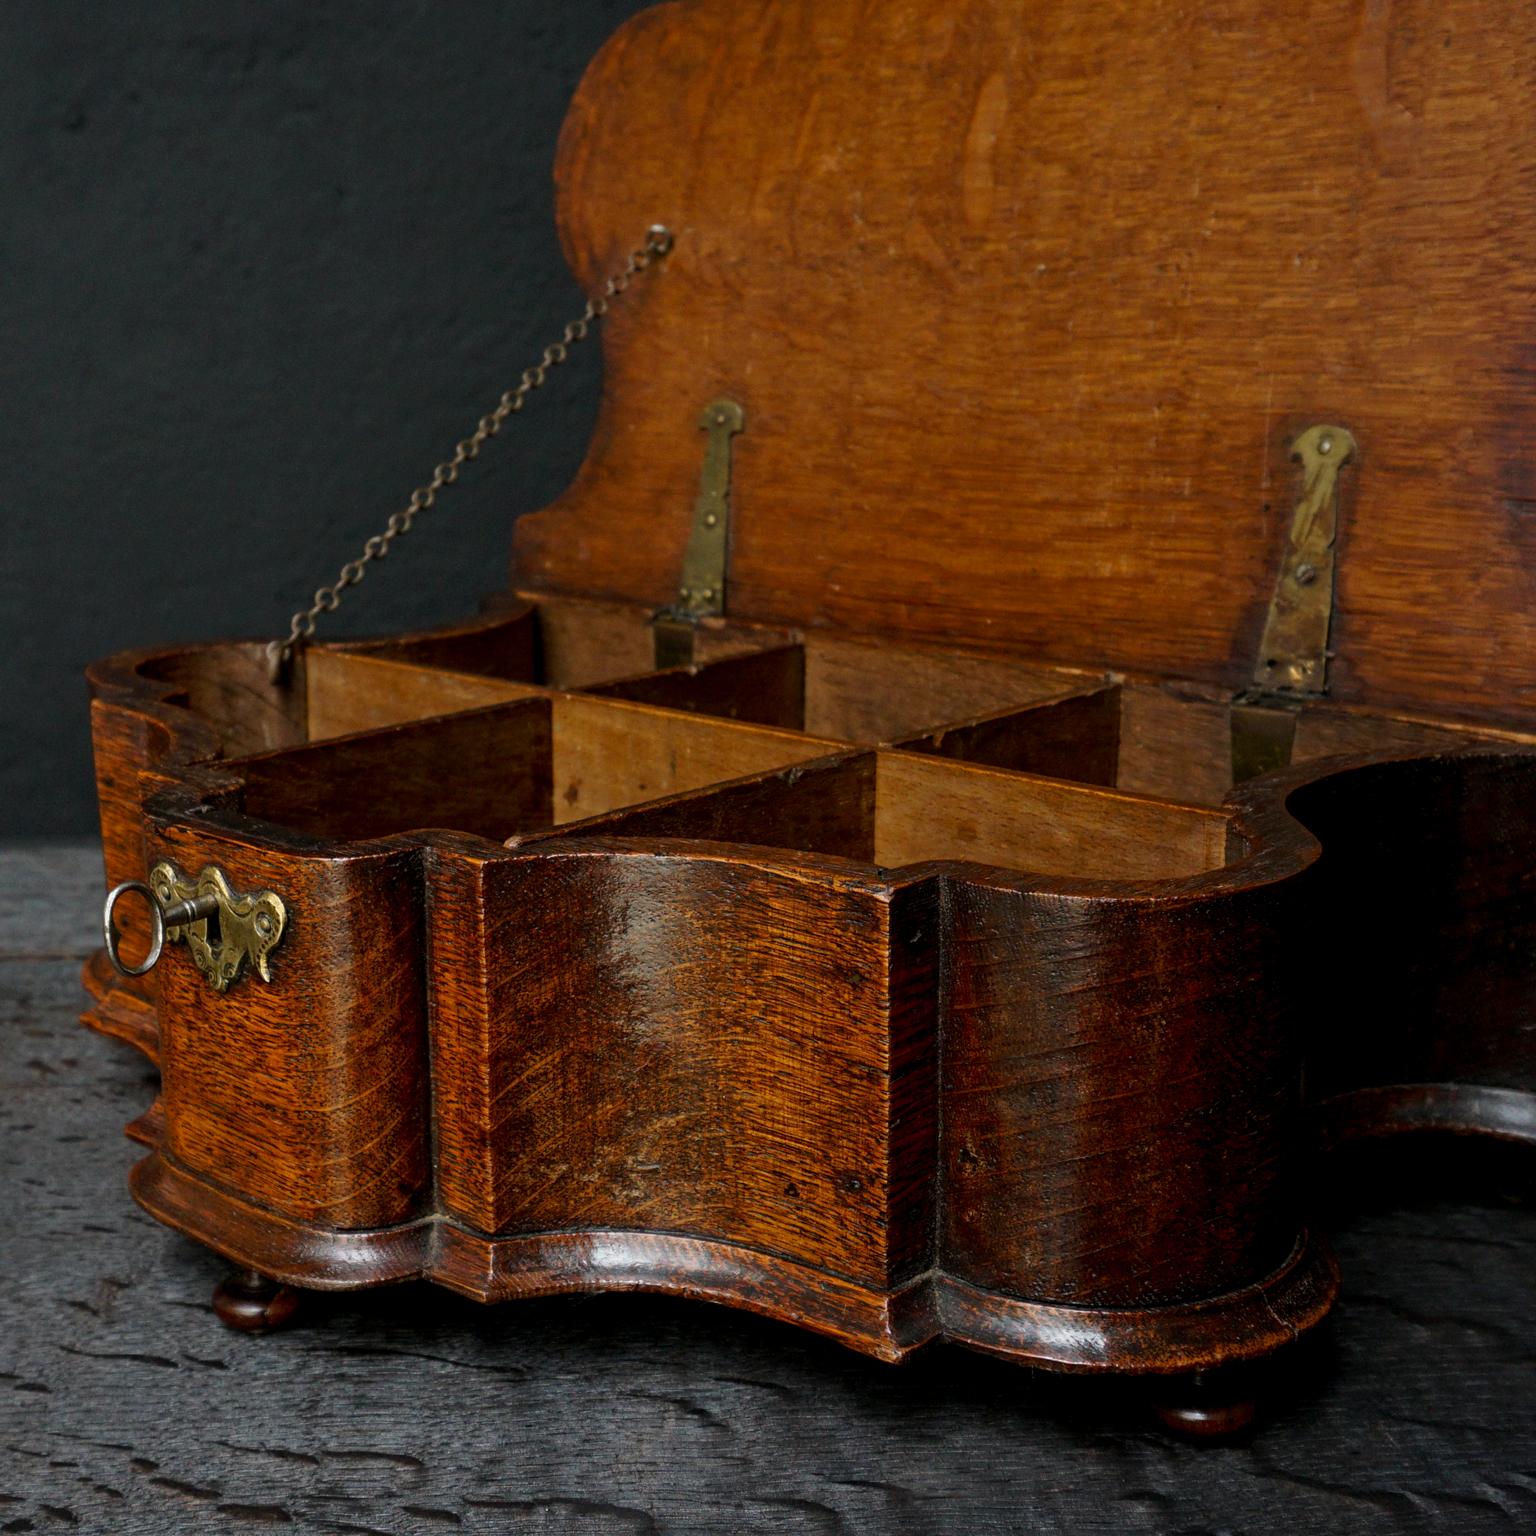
(686, 1042)
(1054, 1119)
(1121, 1093)
(153, 713)
(305, 1096)
(1426, 924)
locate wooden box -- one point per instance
(1022, 721)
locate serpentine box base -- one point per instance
(779, 1037)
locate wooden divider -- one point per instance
(505, 769)
(1075, 736)
(348, 693)
(895, 809)
(609, 754)
(861, 691)
(485, 771)
(926, 808)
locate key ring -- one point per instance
(160, 918)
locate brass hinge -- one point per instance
(701, 593)
(1292, 664)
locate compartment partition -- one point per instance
(873, 693)
(497, 771)
(697, 1011)
(893, 809)
(835, 689)
(983, 759)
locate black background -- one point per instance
(261, 265)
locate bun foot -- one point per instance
(1210, 1405)
(251, 1303)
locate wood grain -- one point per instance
(1076, 736)
(347, 693)
(826, 806)
(760, 687)
(610, 754)
(1024, 309)
(1107, 1025)
(679, 1076)
(582, 642)
(1025, 305)
(868, 691)
(487, 771)
(933, 809)
(309, 1098)
(690, 1032)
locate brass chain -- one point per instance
(658, 242)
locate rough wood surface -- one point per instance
(126, 1408)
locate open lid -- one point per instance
(1027, 304)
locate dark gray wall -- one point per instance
(260, 266)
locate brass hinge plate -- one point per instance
(1292, 664)
(701, 592)
(1293, 657)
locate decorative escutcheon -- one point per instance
(224, 932)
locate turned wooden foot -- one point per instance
(251, 1303)
(1209, 1405)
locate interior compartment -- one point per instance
(557, 642)
(872, 693)
(1169, 741)
(837, 689)
(347, 693)
(991, 760)
(531, 763)
(893, 809)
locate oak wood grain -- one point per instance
(680, 1075)
(1132, 931)
(869, 691)
(1076, 736)
(1025, 305)
(348, 693)
(930, 808)
(310, 1097)
(488, 771)
(609, 753)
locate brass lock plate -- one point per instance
(239, 931)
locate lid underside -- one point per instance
(1025, 306)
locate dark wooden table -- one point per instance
(127, 1408)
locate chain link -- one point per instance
(301, 628)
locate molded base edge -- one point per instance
(1404, 1109)
(1246, 1324)
(118, 1013)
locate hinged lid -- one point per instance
(1027, 304)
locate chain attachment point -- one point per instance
(301, 627)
